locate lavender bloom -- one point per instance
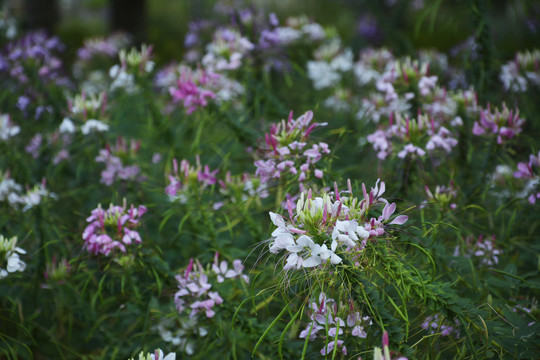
(34, 145)
(525, 172)
(324, 314)
(483, 249)
(433, 325)
(285, 150)
(38, 51)
(115, 168)
(190, 93)
(420, 136)
(112, 229)
(226, 50)
(369, 29)
(504, 123)
(188, 178)
(194, 287)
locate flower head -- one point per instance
(112, 229)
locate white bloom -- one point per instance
(7, 128)
(7, 188)
(364, 74)
(306, 245)
(122, 80)
(67, 126)
(93, 125)
(314, 31)
(11, 257)
(348, 231)
(322, 74)
(343, 62)
(288, 35)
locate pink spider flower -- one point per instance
(287, 149)
(504, 123)
(112, 229)
(186, 176)
(193, 89)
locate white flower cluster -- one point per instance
(332, 64)
(7, 128)
(131, 63)
(516, 75)
(157, 355)
(11, 192)
(323, 228)
(9, 257)
(226, 51)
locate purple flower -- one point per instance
(112, 229)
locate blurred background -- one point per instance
(402, 25)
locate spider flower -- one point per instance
(114, 158)
(157, 355)
(326, 229)
(112, 229)
(525, 171)
(412, 138)
(194, 286)
(188, 177)
(287, 149)
(523, 71)
(10, 261)
(504, 123)
(7, 128)
(328, 318)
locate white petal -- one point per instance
(335, 259)
(305, 240)
(312, 261)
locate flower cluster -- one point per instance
(524, 70)
(330, 65)
(384, 354)
(525, 172)
(442, 195)
(95, 55)
(296, 30)
(114, 158)
(11, 192)
(433, 324)
(187, 177)
(34, 51)
(9, 189)
(194, 286)
(133, 64)
(86, 109)
(412, 137)
(326, 229)
(504, 123)
(157, 355)
(286, 150)
(324, 316)
(7, 128)
(226, 50)
(483, 249)
(112, 229)
(10, 261)
(240, 188)
(102, 47)
(194, 88)
(57, 271)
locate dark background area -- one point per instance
(402, 25)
